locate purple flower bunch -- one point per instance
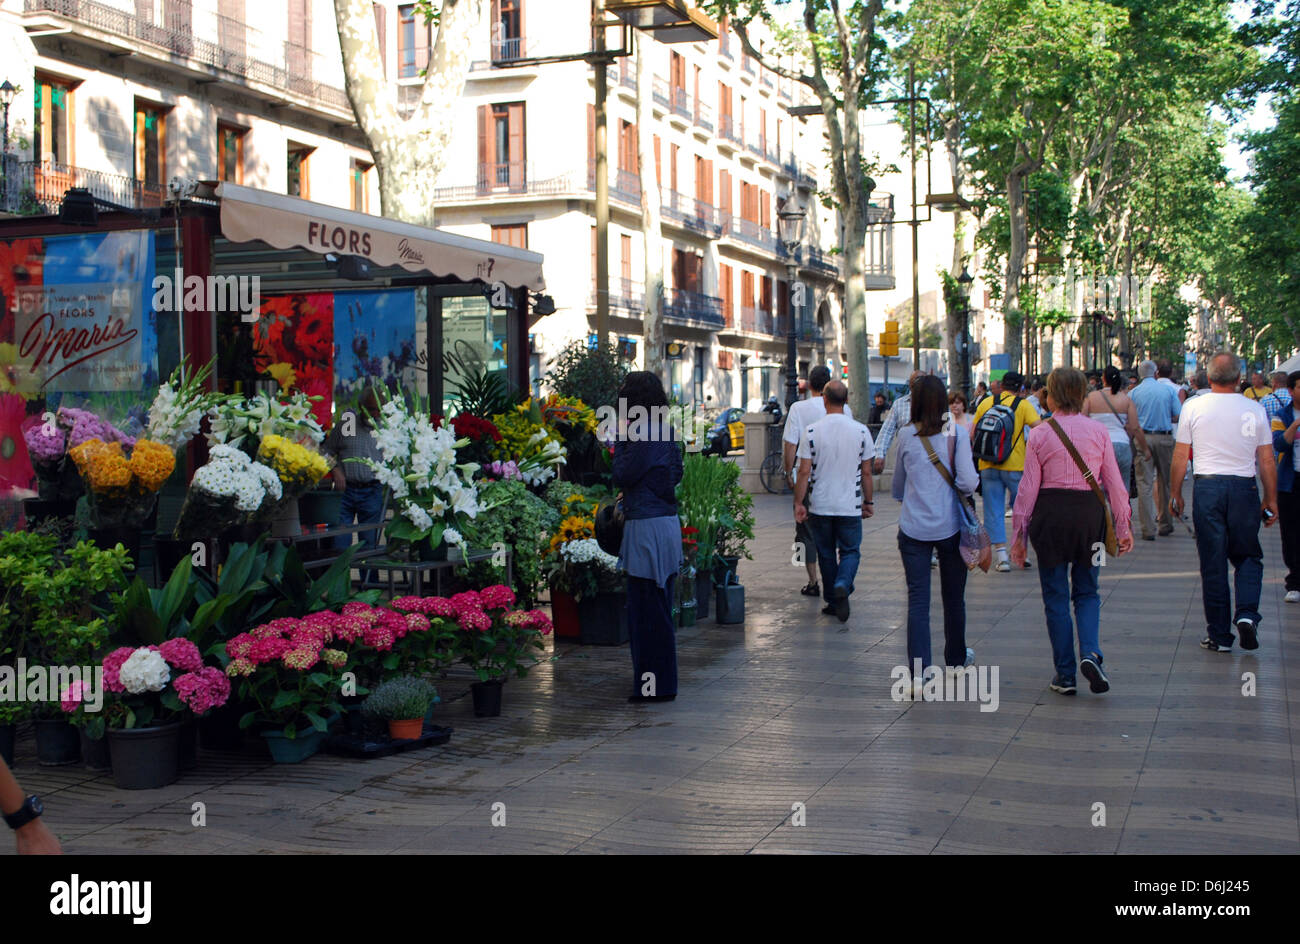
(84, 426)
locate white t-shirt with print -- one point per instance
(1224, 430)
(837, 446)
(802, 414)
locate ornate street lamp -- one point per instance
(963, 290)
(7, 92)
(790, 223)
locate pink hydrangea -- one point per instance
(416, 622)
(538, 619)
(203, 690)
(411, 604)
(238, 647)
(349, 628)
(336, 658)
(239, 667)
(468, 600)
(362, 611)
(180, 653)
(440, 607)
(379, 636)
(496, 597)
(113, 668)
(301, 659)
(73, 696)
(475, 619)
(268, 650)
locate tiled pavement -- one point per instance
(794, 707)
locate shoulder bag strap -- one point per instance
(1078, 460)
(1123, 420)
(938, 463)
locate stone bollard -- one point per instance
(756, 450)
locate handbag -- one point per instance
(609, 525)
(975, 546)
(1132, 448)
(1112, 546)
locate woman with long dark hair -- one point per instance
(647, 467)
(933, 465)
(1111, 406)
(1058, 508)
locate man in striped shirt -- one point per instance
(1279, 398)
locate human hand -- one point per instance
(1018, 552)
(1176, 505)
(877, 466)
(1126, 544)
(1272, 507)
(868, 509)
(800, 513)
(36, 839)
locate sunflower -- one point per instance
(283, 373)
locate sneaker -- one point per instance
(828, 610)
(970, 656)
(1293, 596)
(934, 558)
(841, 608)
(812, 590)
(1148, 537)
(1212, 646)
(1064, 686)
(1003, 566)
(1166, 531)
(1092, 671)
(1009, 512)
(1248, 633)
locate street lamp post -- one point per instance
(963, 289)
(790, 221)
(7, 92)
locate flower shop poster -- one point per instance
(332, 345)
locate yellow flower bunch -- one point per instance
(517, 428)
(103, 465)
(572, 529)
(293, 463)
(571, 410)
(151, 464)
(578, 506)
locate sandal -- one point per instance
(812, 590)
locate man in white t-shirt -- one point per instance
(801, 415)
(835, 463)
(1230, 437)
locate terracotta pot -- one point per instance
(406, 730)
(564, 615)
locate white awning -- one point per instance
(249, 215)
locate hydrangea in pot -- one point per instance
(401, 702)
(495, 641)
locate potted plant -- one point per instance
(520, 520)
(735, 524)
(496, 641)
(401, 702)
(90, 723)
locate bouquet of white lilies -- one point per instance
(244, 423)
(179, 406)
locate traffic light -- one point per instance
(889, 340)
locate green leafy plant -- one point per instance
(701, 498)
(736, 516)
(520, 520)
(479, 391)
(591, 374)
(401, 699)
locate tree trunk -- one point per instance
(855, 307)
(651, 224)
(1011, 314)
(953, 314)
(409, 153)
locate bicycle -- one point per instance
(772, 472)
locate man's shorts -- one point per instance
(803, 536)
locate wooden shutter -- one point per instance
(486, 173)
(518, 155)
(421, 40)
(708, 182)
(701, 178)
(381, 32)
(725, 291)
(724, 188)
(746, 289)
(625, 256)
(659, 170)
(766, 206)
(672, 167)
(767, 294)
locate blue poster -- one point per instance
(374, 343)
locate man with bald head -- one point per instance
(835, 464)
(1230, 436)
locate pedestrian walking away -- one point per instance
(1285, 423)
(1157, 408)
(1230, 436)
(1280, 397)
(801, 415)
(835, 464)
(648, 470)
(1001, 425)
(900, 414)
(933, 466)
(1071, 496)
(1115, 410)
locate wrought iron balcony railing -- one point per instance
(37, 187)
(694, 308)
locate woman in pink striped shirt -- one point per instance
(1059, 513)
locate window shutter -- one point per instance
(672, 167)
(485, 173)
(381, 33)
(708, 182)
(518, 154)
(422, 31)
(659, 171)
(766, 205)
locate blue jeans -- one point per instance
(1124, 458)
(838, 539)
(952, 587)
(1061, 584)
(997, 486)
(363, 506)
(1225, 513)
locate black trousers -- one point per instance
(1288, 518)
(652, 635)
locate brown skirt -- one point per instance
(1066, 526)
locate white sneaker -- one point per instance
(1010, 511)
(970, 656)
(1003, 566)
(918, 690)
(1293, 596)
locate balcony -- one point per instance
(756, 146)
(807, 176)
(219, 42)
(747, 64)
(692, 213)
(625, 295)
(747, 231)
(33, 188)
(816, 258)
(660, 92)
(694, 308)
(510, 179)
(783, 90)
(682, 103)
(703, 115)
(766, 79)
(510, 49)
(756, 321)
(727, 130)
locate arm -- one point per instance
(1117, 493)
(868, 490)
(1026, 497)
(787, 457)
(1268, 475)
(887, 434)
(1175, 406)
(1135, 429)
(1288, 435)
(1178, 474)
(801, 490)
(35, 838)
(1087, 405)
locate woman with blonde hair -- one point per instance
(1069, 465)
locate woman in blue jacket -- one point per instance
(647, 467)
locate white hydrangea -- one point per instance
(145, 671)
(587, 551)
(452, 536)
(419, 517)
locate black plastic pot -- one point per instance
(37, 510)
(602, 619)
(168, 553)
(57, 743)
(219, 729)
(487, 698)
(187, 745)
(724, 566)
(95, 754)
(145, 758)
(8, 736)
(108, 538)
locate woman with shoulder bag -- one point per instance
(647, 468)
(932, 473)
(1074, 507)
(1118, 413)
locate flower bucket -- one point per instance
(564, 615)
(602, 619)
(703, 591)
(8, 736)
(219, 729)
(424, 552)
(37, 510)
(293, 750)
(724, 566)
(320, 507)
(285, 522)
(410, 729)
(57, 742)
(145, 758)
(487, 698)
(686, 614)
(95, 753)
(108, 538)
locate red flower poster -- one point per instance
(294, 342)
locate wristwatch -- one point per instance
(32, 807)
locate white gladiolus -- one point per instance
(452, 536)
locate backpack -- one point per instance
(995, 434)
